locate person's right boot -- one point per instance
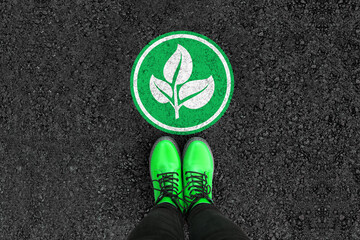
(198, 170)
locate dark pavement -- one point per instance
(74, 149)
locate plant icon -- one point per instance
(177, 89)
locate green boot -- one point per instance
(165, 172)
(198, 169)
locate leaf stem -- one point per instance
(176, 107)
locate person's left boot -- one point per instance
(165, 172)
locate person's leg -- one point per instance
(207, 223)
(163, 222)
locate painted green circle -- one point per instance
(208, 60)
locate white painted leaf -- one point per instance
(155, 85)
(192, 87)
(205, 89)
(180, 59)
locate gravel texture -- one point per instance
(74, 149)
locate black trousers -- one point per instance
(165, 222)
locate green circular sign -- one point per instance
(182, 82)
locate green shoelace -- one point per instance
(168, 183)
(198, 187)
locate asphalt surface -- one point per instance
(74, 149)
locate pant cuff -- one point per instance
(171, 208)
(198, 208)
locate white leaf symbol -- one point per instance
(180, 57)
(177, 71)
(201, 90)
(156, 86)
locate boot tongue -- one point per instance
(170, 182)
(198, 183)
